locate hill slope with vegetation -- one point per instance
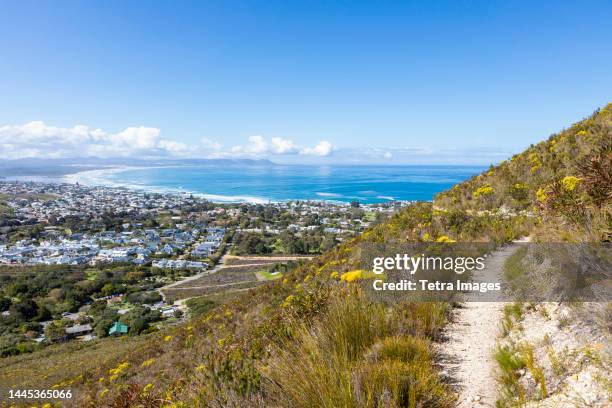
(314, 338)
(564, 182)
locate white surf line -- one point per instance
(467, 355)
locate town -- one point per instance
(87, 262)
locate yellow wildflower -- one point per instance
(483, 191)
(288, 300)
(541, 195)
(148, 362)
(357, 274)
(569, 183)
(117, 371)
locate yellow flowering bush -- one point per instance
(357, 274)
(438, 212)
(483, 191)
(541, 195)
(148, 362)
(444, 238)
(569, 183)
(288, 301)
(334, 275)
(117, 371)
(535, 162)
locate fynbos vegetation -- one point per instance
(313, 338)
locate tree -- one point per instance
(103, 322)
(55, 331)
(5, 303)
(97, 307)
(328, 243)
(108, 289)
(24, 310)
(43, 314)
(251, 244)
(137, 326)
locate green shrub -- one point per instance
(393, 383)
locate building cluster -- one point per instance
(185, 245)
(210, 244)
(70, 224)
(66, 200)
(137, 246)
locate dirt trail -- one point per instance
(467, 354)
(271, 258)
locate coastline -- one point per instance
(97, 178)
(269, 186)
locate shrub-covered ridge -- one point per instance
(313, 338)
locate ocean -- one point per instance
(263, 183)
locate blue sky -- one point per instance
(398, 82)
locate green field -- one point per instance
(265, 275)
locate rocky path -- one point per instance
(467, 352)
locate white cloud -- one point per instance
(322, 149)
(283, 146)
(172, 146)
(211, 144)
(36, 139)
(259, 146)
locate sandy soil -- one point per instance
(466, 355)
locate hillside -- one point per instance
(313, 338)
(565, 182)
